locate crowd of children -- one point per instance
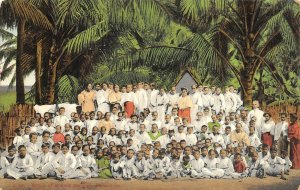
(184, 139)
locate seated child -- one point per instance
(275, 165)
(103, 164)
(22, 166)
(211, 163)
(86, 164)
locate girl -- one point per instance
(103, 164)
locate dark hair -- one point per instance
(46, 132)
(45, 145)
(21, 146)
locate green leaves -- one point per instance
(67, 88)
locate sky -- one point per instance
(28, 81)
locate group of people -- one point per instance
(145, 133)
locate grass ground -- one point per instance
(6, 100)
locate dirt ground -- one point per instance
(292, 183)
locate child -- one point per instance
(275, 165)
(143, 167)
(3, 165)
(165, 162)
(43, 162)
(26, 135)
(95, 134)
(204, 152)
(58, 137)
(254, 166)
(22, 166)
(197, 165)
(33, 147)
(226, 164)
(226, 135)
(288, 163)
(175, 166)
(86, 164)
(50, 127)
(68, 130)
(254, 140)
(186, 166)
(239, 165)
(211, 163)
(203, 133)
(191, 138)
(116, 166)
(65, 164)
(18, 140)
(83, 134)
(157, 166)
(103, 164)
(129, 169)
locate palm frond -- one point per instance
(67, 87)
(6, 72)
(25, 10)
(87, 37)
(6, 35)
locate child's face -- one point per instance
(228, 131)
(67, 128)
(11, 152)
(188, 151)
(86, 150)
(251, 130)
(284, 155)
(56, 149)
(74, 150)
(190, 130)
(130, 154)
(100, 154)
(95, 130)
(61, 111)
(254, 157)
(273, 154)
(140, 156)
(196, 155)
(203, 129)
(265, 150)
(223, 154)
(33, 138)
(212, 155)
(45, 149)
(204, 152)
(27, 131)
(237, 158)
(134, 119)
(155, 154)
(65, 150)
(89, 141)
(57, 129)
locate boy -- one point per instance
(18, 139)
(254, 140)
(116, 166)
(33, 147)
(275, 165)
(61, 119)
(226, 164)
(65, 164)
(86, 164)
(186, 166)
(239, 165)
(3, 165)
(211, 164)
(197, 165)
(191, 138)
(143, 170)
(43, 162)
(254, 166)
(129, 169)
(58, 137)
(22, 166)
(288, 163)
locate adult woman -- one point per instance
(114, 97)
(266, 127)
(86, 99)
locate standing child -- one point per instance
(103, 164)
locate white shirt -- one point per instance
(191, 139)
(267, 126)
(61, 120)
(281, 128)
(142, 99)
(197, 165)
(22, 163)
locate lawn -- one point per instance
(6, 100)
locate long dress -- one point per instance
(294, 136)
(184, 105)
(86, 100)
(104, 168)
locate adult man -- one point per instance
(130, 101)
(219, 101)
(173, 99)
(197, 102)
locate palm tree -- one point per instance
(252, 32)
(18, 13)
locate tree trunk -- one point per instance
(19, 73)
(51, 80)
(246, 80)
(38, 92)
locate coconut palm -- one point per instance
(250, 32)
